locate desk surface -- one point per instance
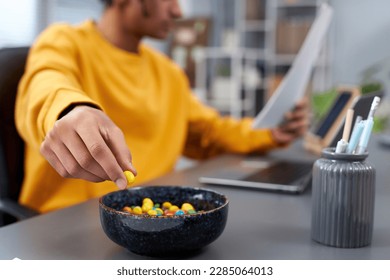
(261, 225)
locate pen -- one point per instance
(361, 148)
(358, 119)
(356, 132)
(374, 106)
(363, 142)
(343, 143)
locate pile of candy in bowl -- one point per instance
(164, 209)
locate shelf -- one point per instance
(254, 42)
(255, 25)
(296, 5)
(288, 59)
(224, 104)
(246, 53)
(284, 59)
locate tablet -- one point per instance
(330, 129)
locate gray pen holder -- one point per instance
(343, 197)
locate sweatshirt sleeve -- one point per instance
(210, 134)
(49, 85)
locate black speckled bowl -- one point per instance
(164, 235)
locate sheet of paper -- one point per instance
(292, 87)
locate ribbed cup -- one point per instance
(343, 198)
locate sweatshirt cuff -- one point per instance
(263, 140)
(61, 101)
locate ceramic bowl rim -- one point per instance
(110, 209)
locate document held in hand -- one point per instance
(292, 87)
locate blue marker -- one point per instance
(362, 146)
(356, 133)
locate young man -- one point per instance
(95, 101)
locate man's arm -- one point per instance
(210, 134)
(82, 143)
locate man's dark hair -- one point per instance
(107, 3)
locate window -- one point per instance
(18, 23)
(21, 21)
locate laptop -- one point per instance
(279, 175)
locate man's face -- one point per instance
(152, 18)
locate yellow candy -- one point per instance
(147, 201)
(173, 208)
(152, 212)
(129, 177)
(187, 206)
(137, 210)
(166, 205)
(146, 207)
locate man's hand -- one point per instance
(86, 144)
(295, 124)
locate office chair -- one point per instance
(12, 63)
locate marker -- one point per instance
(374, 106)
(356, 133)
(362, 146)
(363, 142)
(358, 119)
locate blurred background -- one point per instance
(235, 53)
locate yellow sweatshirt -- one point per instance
(145, 94)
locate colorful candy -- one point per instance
(128, 209)
(173, 208)
(166, 205)
(129, 177)
(187, 206)
(152, 212)
(150, 208)
(137, 210)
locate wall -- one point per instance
(73, 11)
(361, 37)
